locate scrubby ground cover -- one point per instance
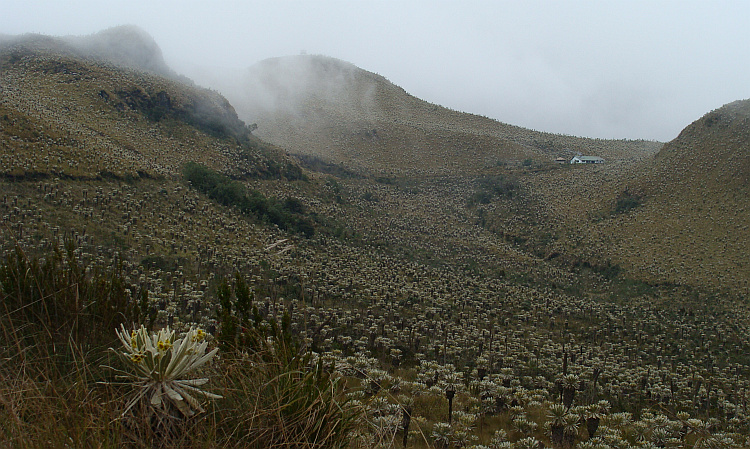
(410, 322)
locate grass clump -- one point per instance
(283, 397)
(58, 316)
(295, 402)
(58, 299)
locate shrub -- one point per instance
(295, 401)
(626, 201)
(319, 165)
(489, 187)
(287, 214)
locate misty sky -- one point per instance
(610, 69)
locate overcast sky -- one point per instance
(610, 69)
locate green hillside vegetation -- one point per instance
(407, 280)
(287, 214)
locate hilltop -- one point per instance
(695, 226)
(322, 106)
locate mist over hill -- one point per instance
(126, 46)
(332, 109)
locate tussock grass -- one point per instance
(56, 388)
(42, 405)
(271, 404)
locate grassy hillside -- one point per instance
(57, 108)
(692, 225)
(496, 276)
(674, 219)
(580, 216)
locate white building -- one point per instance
(587, 160)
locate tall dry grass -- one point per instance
(58, 321)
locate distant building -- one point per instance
(561, 160)
(587, 160)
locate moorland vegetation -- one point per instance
(437, 292)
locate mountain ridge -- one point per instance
(311, 104)
(126, 46)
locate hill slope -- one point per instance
(58, 105)
(695, 225)
(332, 109)
(679, 218)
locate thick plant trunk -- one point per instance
(591, 425)
(406, 421)
(568, 394)
(557, 436)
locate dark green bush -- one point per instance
(319, 165)
(287, 214)
(489, 187)
(267, 162)
(626, 201)
(481, 197)
(499, 185)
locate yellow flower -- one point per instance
(199, 335)
(137, 357)
(163, 345)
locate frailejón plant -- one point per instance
(160, 365)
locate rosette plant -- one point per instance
(160, 365)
